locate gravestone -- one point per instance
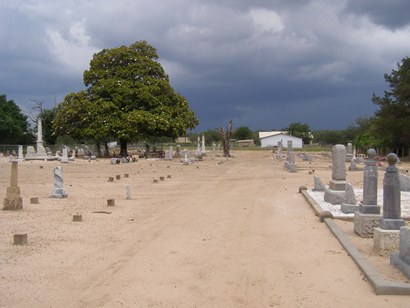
(404, 182)
(41, 153)
(386, 236)
(64, 157)
(401, 259)
(203, 150)
(58, 189)
(368, 216)
(198, 146)
(290, 163)
(127, 193)
(349, 152)
(317, 184)
(391, 197)
(169, 154)
(20, 153)
(280, 149)
(349, 204)
(13, 201)
(335, 194)
(186, 161)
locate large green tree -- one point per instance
(14, 128)
(392, 120)
(128, 97)
(301, 130)
(242, 133)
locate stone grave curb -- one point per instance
(379, 284)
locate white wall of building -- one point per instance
(272, 141)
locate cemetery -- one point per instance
(162, 229)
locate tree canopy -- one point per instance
(301, 130)
(392, 120)
(14, 128)
(242, 133)
(128, 96)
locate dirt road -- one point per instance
(234, 234)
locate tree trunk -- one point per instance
(107, 150)
(226, 138)
(98, 148)
(123, 151)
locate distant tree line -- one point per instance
(128, 98)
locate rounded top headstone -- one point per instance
(371, 153)
(391, 159)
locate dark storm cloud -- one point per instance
(262, 64)
(392, 14)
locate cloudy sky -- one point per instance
(262, 63)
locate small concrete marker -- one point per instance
(168, 176)
(161, 178)
(111, 179)
(20, 239)
(34, 200)
(118, 177)
(302, 188)
(126, 175)
(77, 217)
(110, 202)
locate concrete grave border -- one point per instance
(380, 285)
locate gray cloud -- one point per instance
(392, 14)
(262, 63)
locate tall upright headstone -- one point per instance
(13, 201)
(20, 153)
(203, 150)
(198, 146)
(391, 197)
(370, 174)
(40, 147)
(386, 236)
(290, 162)
(335, 194)
(349, 152)
(58, 189)
(368, 216)
(64, 158)
(41, 153)
(280, 149)
(291, 155)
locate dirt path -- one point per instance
(236, 234)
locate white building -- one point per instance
(271, 139)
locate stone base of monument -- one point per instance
(291, 167)
(349, 208)
(20, 239)
(58, 193)
(12, 204)
(391, 224)
(401, 260)
(385, 242)
(334, 196)
(364, 224)
(337, 185)
(369, 209)
(78, 217)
